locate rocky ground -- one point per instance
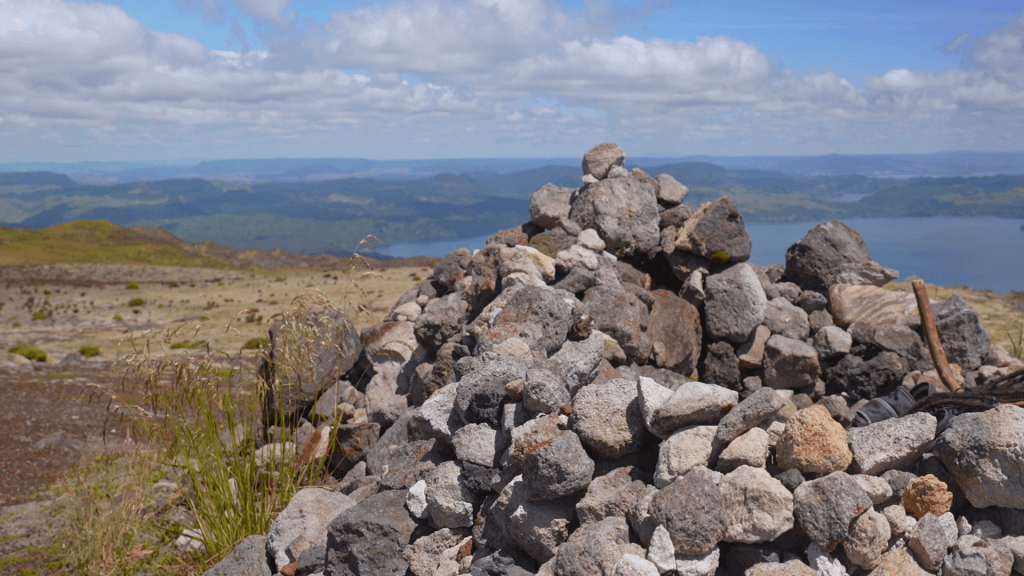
(59, 414)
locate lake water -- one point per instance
(980, 252)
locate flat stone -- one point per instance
(608, 419)
(784, 318)
(750, 412)
(875, 306)
(751, 352)
(681, 452)
(716, 229)
(790, 363)
(757, 507)
(692, 403)
(891, 443)
(750, 449)
(691, 508)
(304, 522)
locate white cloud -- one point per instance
(508, 76)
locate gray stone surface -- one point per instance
(832, 342)
(554, 462)
(539, 316)
(479, 444)
(790, 363)
(248, 558)
(601, 158)
(757, 507)
(813, 442)
(623, 212)
(544, 390)
(622, 316)
(608, 419)
(481, 392)
(692, 509)
(716, 227)
(784, 318)
(750, 412)
(670, 191)
(594, 549)
(931, 538)
(691, 403)
(750, 449)
(303, 522)
(790, 568)
(720, 365)
(370, 537)
(437, 417)
(868, 539)
(702, 565)
(851, 303)
(550, 205)
(891, 443)
(734, 303)
(681, 452)
(441, 319)
(963, 338)
(577, 362)
(814, 261)
(449, 500)
(437, 554)
(984, 453)
(825, 507)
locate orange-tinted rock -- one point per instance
(814, 442)
(927, 494)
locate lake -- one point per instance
(980, 252)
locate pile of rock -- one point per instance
(611, 389)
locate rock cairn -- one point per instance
(611, 389)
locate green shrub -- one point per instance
(118, 317)
(133, 286)
(136, 302)
(256, 343)
(719, 257)
(40, 315)
(30, 352)
(47, 293)
(89, 351)
(182, 344)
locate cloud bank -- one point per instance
(434, 78)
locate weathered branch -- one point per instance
(931, 335)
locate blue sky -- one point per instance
(200, 79)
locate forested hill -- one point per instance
(334, 214)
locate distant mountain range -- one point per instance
(293, 169)
(320, 206)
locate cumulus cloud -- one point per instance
(479, 76)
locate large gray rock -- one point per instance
(621, 315)
(790, 363)
(539, 316)
(248, 558)
(613, 494)
(594, 549)
(692, 510)
(544, 390)
(850, 303)
(826, 506)
(441, 319)
(691, 403)
(757, 507)
(623, 212)
(963, 338)
(369, 538)
(601, 158)
(304, 522)
(734, 303)
(868, 539)
(984, 452)
(675, 332)
(784, 318)
(449, 501)
(815, 260)
(891, 443)
(931, 538)
(715, 231)
(481, 392)
(437, 417)
(577, 362)
(550, 205)
(750, 412)
(670, 191)
(791, 568)
(683, 451)
(438, 554)
(479, 444)
(309, 352)
(554, 462)
(607, 418)
(832, 342)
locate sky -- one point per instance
(173, 80)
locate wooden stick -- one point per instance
(931, 335)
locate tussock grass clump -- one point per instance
(30, 352)
(256, 343)
(132, 286)
(41, 315)
(135, 302)
(89, 351)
